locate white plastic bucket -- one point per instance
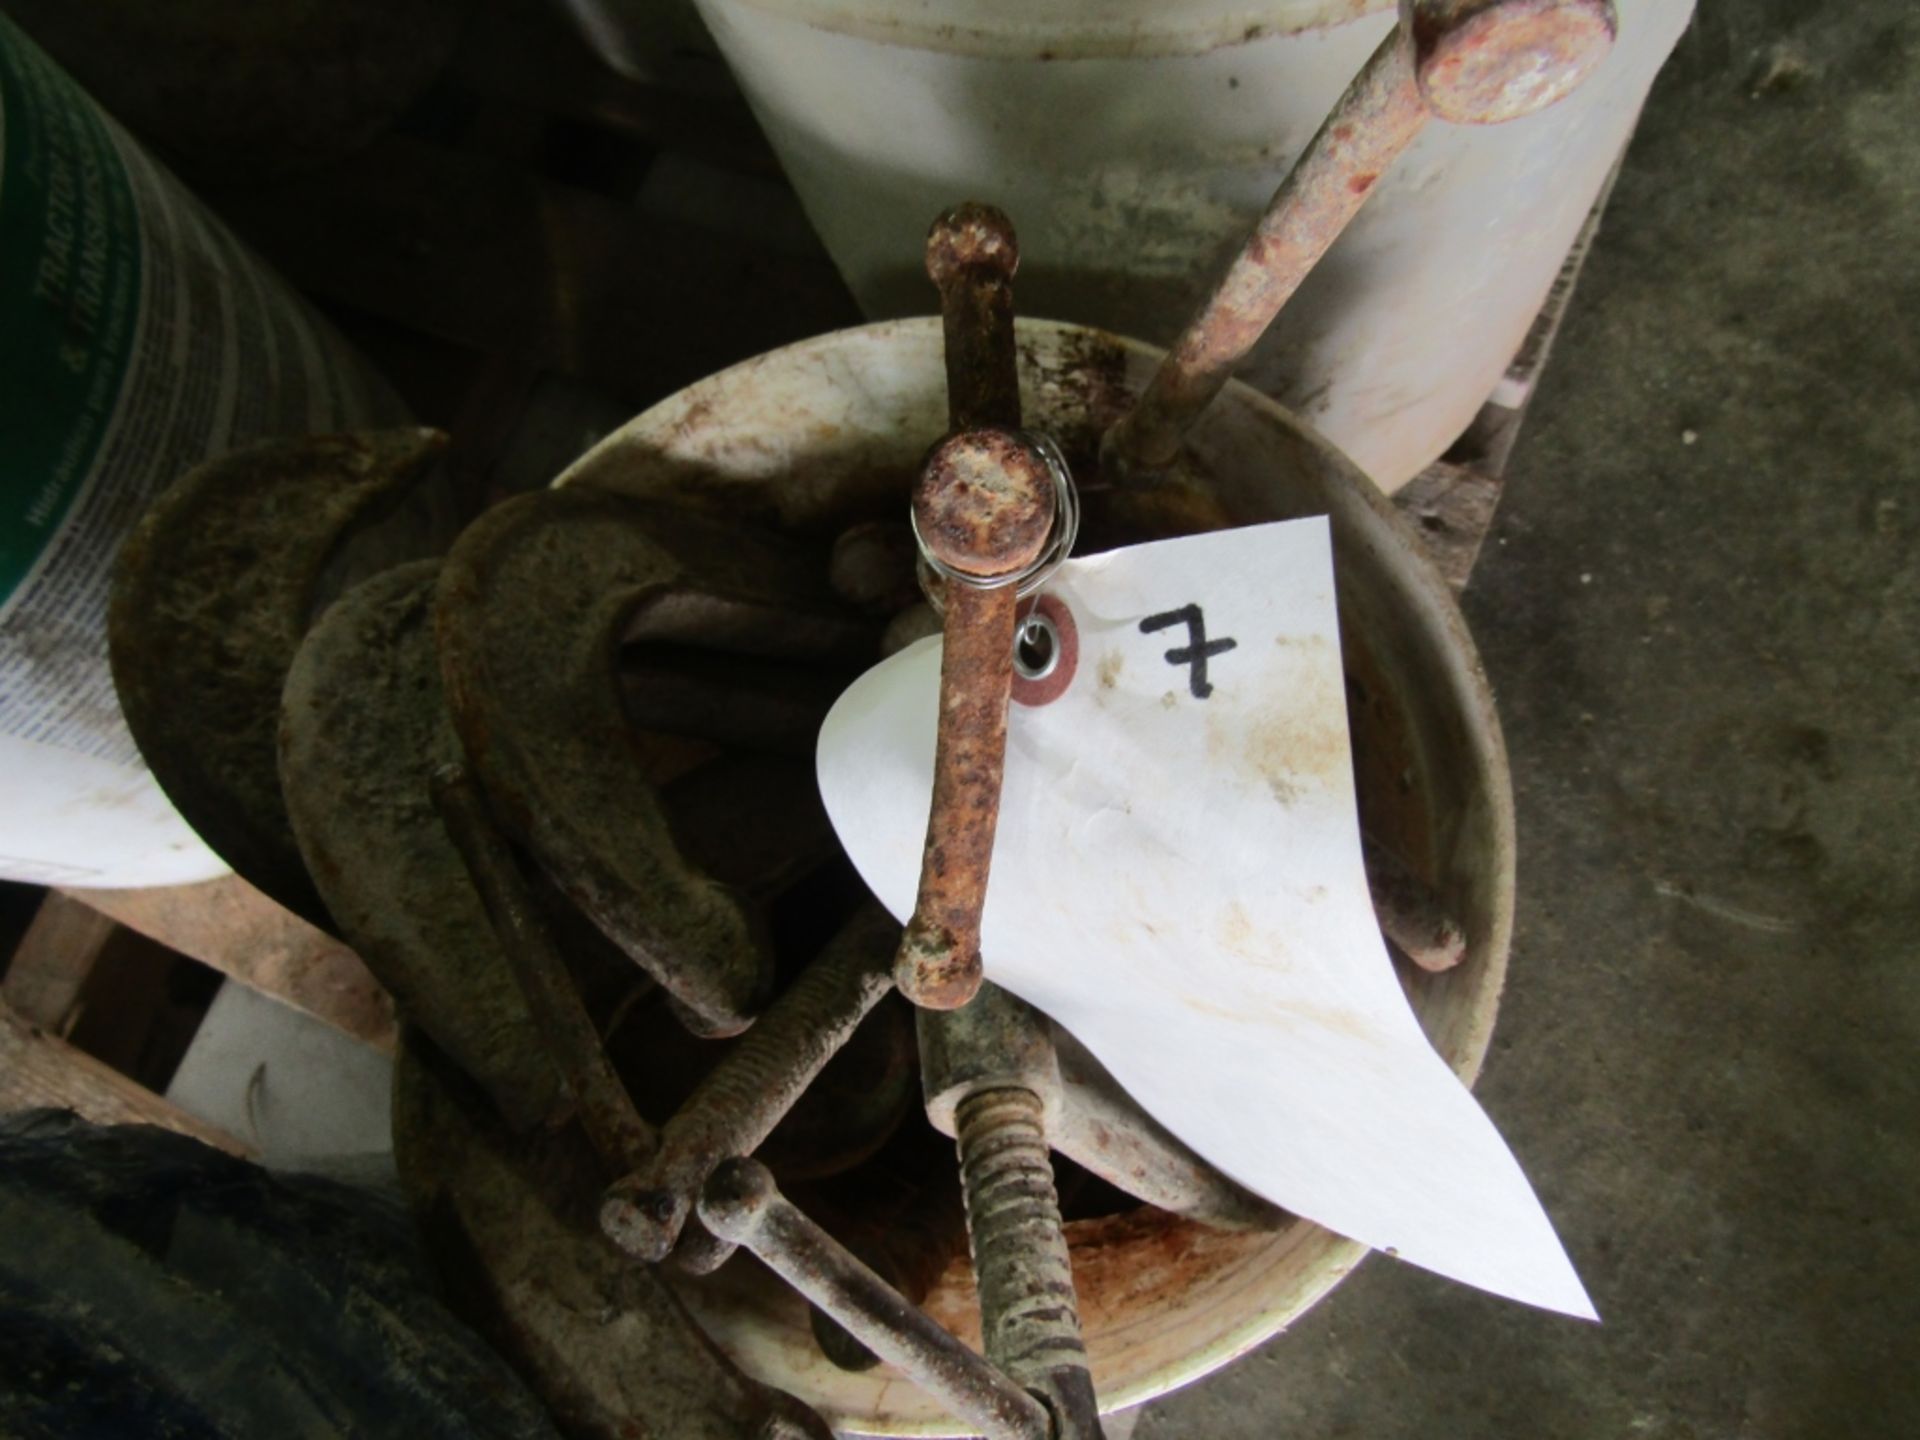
(1134, 141)
(833, 429)
(137, 339)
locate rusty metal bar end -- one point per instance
(1475, 62)
(1411, 915)
(1483, 62)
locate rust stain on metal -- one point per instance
(1127, 1266)
(1372, 123)
(1467, 61)
(1136, 1263)
(984, 502)
(972, 254)
(1482, 62)
(939, 959)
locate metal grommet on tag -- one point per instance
(1046, 651)
(1036, 649)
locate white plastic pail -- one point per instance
(1134, 141)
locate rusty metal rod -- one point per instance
(1372, 123)
(740, 1101)
(741, 1203)
(1467, 61)
(972, 256)
(910, 1247)
(982, 511)
(622, 1136)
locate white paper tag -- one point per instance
(1177, 880)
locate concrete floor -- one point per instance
(1707, 653)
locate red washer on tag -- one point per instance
(1051, 686)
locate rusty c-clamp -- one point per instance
(533, 604)
(213, 590)
(362, 728)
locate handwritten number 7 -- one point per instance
(1198, 649)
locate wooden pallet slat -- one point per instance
(39, 1070)
(232, 927)
(49, 967)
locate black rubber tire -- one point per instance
(152, 1286)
